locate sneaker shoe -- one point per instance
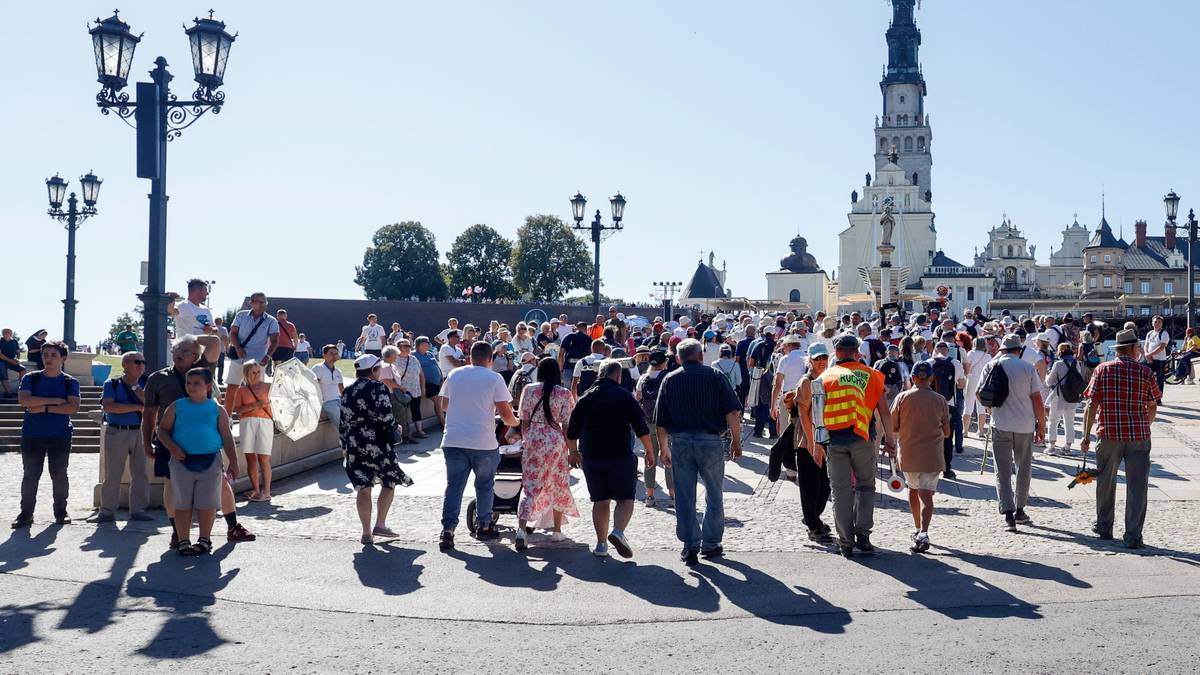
(519, 541)
(689, 557)
(920, 543)
(601, 550)
(62, 519)
(1010, 521)
(446, 541)
(714, 552)
(557, 536)
(1021, 517)
(1102, 533)
(949, 474)
(102, 518)
(384, 531)
(239, 533)
(846, 551)
(863, 543)
(819, 536)
(619, 542)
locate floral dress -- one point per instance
(366, 434)
(545, 473)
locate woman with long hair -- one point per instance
(544, 410)
(908, 352)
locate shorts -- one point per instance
(922, 480)
(611, 477)
(374, 352)
(432, 390)
(162, 460)
(233, 373)
(196, 490)
(283, 354)
(256, 435)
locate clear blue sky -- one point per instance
(728, 126)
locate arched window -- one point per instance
(920, 144)
(1010, 250)
(906, 201)
(794, 296)
(896, 141)
(908, 146)
(883, 145)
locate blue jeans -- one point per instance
(460, 462)
(698, 455)
(956, 425)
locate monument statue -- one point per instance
(854, 196)
(888, 224)
(800, 260)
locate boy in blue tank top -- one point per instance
(195, 430)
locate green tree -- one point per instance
(401, 262)
(133, 318)
(480, 256)
(549, 259)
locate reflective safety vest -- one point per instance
(851, 392)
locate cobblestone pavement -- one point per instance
(760, 515)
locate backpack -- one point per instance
(1091, 355)
(586, 378)
(943, 378)
(993, 386)
(651, 383)
(1070, 386)
(892, 375)
(519, 381)
(877, 349)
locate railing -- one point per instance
(949, 271)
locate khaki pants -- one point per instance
(853, 506)
(1136, 455)
(121, 445)
(652, 471)
(1010, 447)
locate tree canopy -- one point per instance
(401, 262)
(481, 256)
(549, 259)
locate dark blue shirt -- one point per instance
(429, 366)
(119, 392)
(48, 425)
(10, 348)
(576, 346)
(603, 419)
(695, 398)
(742, 351)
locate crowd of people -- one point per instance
(833, 392)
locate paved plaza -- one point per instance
(307, 596)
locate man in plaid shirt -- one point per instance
(1122, 396)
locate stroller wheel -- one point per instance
(472, 526)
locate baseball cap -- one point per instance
(366, 362)
(658, 357)
(791, 340)
(817, 349)
(846, 341)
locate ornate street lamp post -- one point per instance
(597, 228)
(159, 117)
(71, 218)
(1171, 201)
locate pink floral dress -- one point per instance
(544, 469)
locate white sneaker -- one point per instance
(619, 542)
(601, 551)
(557, 536)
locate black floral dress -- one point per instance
(366, 434)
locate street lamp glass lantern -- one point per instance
(578, 204)
(210, 50)
(91, 188)
(618, 207)
(56, 189)
(114, 46)
(1172, 203)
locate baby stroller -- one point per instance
(508, 478)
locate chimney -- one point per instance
(1140, 228)
(1169, 240)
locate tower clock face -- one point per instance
(889, 201)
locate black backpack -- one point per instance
(586, 378)
(943, 378)
(877, 349)
(1071, 386)
(993, 386)
(892, 375)
(652, 383)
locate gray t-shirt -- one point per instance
(256, 346)
(1016, 415)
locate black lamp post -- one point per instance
(1171, 201)
(72, 218)
(597, 228)
(159, 117)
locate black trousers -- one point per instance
(34, 455)
(813, 481)
(1159, 368)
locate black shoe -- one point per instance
(958, 450)
(846, 551)
(62, 519)
(688, 557)
(1010, 521)
(949, 474)
(102, 518)
(1134, 544)
(446, 541)
(825, 529)
(819, 536)
(22, 521)
(1102, 533)
(486, 534)
(1021, 518)
(174, 540)
(714, 552)
(863, 543)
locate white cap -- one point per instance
(366, 362)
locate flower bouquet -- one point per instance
(1084, 475)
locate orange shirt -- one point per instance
(597, 331)
(852, 391)
(287, 335)
(247, 397)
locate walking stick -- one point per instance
(987, 440)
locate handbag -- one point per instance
(403, 397)
(231, 353)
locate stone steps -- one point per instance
(86, 437)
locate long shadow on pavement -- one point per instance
(1025, 569)
(16, 551)
(389, 568)
(94, 606)
(768, 598)
(183, 588)
(949, 591)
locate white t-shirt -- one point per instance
(192, 318)
(1055, 334)
(472, 392)
(304, 346)
(441, 337)
(564, 330)
(445, 352)
(372, 336)
(976, 360)
(328, 380)
(1153, 340)
(792, 366)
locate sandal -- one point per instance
(260, 498)
(252, 496)
(182, 546)
(203, 545)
